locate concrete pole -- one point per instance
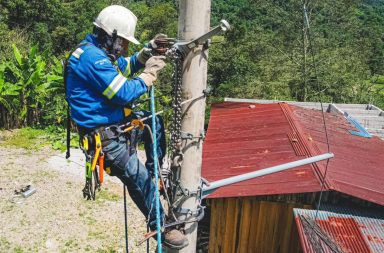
(194, 20)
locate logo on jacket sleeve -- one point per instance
(102, 62)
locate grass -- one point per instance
(4, 244)
(27, 138)
(71, 243)
(109, 250)
(105, 195)
(18, 250)
(45, 175)
(35, 139)
(96, 234)
(90, 220)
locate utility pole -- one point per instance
(194, 20)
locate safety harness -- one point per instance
(76, 53)
(91, 145)
(94, 165)
(91, 140)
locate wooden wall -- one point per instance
(243, 225)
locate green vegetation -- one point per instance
(266, 55)
(28, 89)
(71, 243)
(27, 138)
(5, 245)
(105, 195)
(35, 138)
(18, 250)
(109, 250)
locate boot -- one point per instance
(174, 239)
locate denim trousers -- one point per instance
(121, 157)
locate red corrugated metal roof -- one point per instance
(243, 137)
(347, 230)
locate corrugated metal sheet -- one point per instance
(350, 230)
(358, 166)
(243, 138)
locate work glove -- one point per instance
(146, 52)
(154, 47)
(152, 67)
(158, 37)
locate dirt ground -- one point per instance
(57, 218)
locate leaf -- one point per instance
(40, 66)
(23, 112)
(17, 55)
(34, 78)
(54, 78)
(5, 103)
(11, 90)
(32, 53)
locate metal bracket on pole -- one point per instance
(189, 136)
(185, 47)
(213, 186)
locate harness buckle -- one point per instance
(135, 123)
(97, 150)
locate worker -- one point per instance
(100, 83)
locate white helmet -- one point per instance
(119, 18)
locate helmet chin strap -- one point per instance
(118, 48)
(113, 45)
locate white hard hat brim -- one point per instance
(129, 38)
(132, 39)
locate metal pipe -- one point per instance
(236, 179)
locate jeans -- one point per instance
(124, 163)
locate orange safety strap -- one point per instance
(135, 123)
(101, 167)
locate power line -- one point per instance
(308, 34)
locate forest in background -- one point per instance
(269, 54)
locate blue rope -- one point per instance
(155, 161)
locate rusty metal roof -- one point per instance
(244, 137)
(369, 116)
(340, 230)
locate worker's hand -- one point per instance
(152, 67)
(144, 55)
(160, 44)
(153, 45)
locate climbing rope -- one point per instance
(155, 159)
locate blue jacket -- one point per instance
(98, 89)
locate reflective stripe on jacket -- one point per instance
(97, 89)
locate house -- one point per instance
(257, 215)
(369, 116)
